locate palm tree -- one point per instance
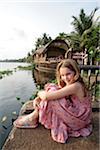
(75, 41)
(41, 41)
(84, 22)
(62, 36)
(32, 51)
(91, 41)
(86, 34)
(46, 39)
(38, 43)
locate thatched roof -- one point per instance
(54, 43)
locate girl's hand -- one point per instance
(42, 94)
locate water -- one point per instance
(10, 65)
(19, 84)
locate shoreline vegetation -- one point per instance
(29, 67)
(9, 72)
(14, 60)
(4, 73)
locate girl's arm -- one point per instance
(65, 91)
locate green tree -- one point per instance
(86, 33)
(41, 41)
(62, 36)
(29, 58)
(91, 41)
(28, 55)
(32, 51)
(83, 22)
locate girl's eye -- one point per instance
(68, 73)
(65, 74)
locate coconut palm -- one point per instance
(91, 41)
(62, 36)
(86, 34)
(84, 22)
(38, 43)
(45, 39)
(42, 41)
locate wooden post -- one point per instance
(89, 76)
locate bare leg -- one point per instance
(36, 102)
(35, 114)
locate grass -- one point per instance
(30, 67)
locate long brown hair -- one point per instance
(73, 66)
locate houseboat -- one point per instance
(46, 59)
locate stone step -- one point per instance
(40, 138)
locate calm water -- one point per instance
(19, 84)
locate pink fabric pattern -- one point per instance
(66, 118)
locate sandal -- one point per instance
(24, 122)
(26, 112)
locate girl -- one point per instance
(64, 108)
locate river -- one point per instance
(21, 85)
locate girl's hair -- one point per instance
(73, 66)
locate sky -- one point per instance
(23, 21)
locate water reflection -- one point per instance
(11, 65)
(43, 77)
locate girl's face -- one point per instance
(66, 75)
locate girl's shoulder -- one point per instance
(72, 88)
(78, 84)
(81, 92)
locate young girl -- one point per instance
(64, 108)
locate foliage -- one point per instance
(5, 72)
(95, 91)
(83, 22)
(29, 58)
(30, 67)
(42, 41)
(85, 34)
(53, 81)
(62, 35)
(14, 60)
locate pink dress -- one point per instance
(66, 118)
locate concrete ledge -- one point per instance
(40, 138)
